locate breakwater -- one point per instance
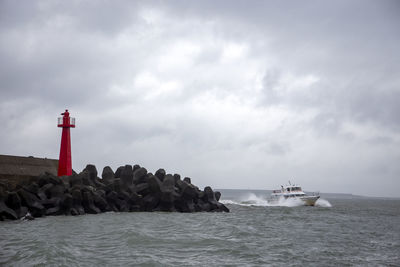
(130, 188)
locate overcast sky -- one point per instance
(234, 94)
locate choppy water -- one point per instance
(335, 232)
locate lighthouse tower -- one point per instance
(65, 162)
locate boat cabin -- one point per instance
(293, 189)
(289, 191)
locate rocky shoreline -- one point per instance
(129, 189)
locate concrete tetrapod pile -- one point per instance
(130, 188)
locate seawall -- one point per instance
(16, 169)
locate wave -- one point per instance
(323, 203)
(252, 199)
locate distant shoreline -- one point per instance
(328, 195)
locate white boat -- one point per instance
(292, 192)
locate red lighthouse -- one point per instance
(65, 162)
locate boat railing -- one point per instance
(315, 193)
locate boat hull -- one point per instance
(305, 200)
(309, 200)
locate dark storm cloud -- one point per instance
(107, 17)
(60, 50)
(216, 89)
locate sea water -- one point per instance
(336, 232)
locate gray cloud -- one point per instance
(234, 94)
